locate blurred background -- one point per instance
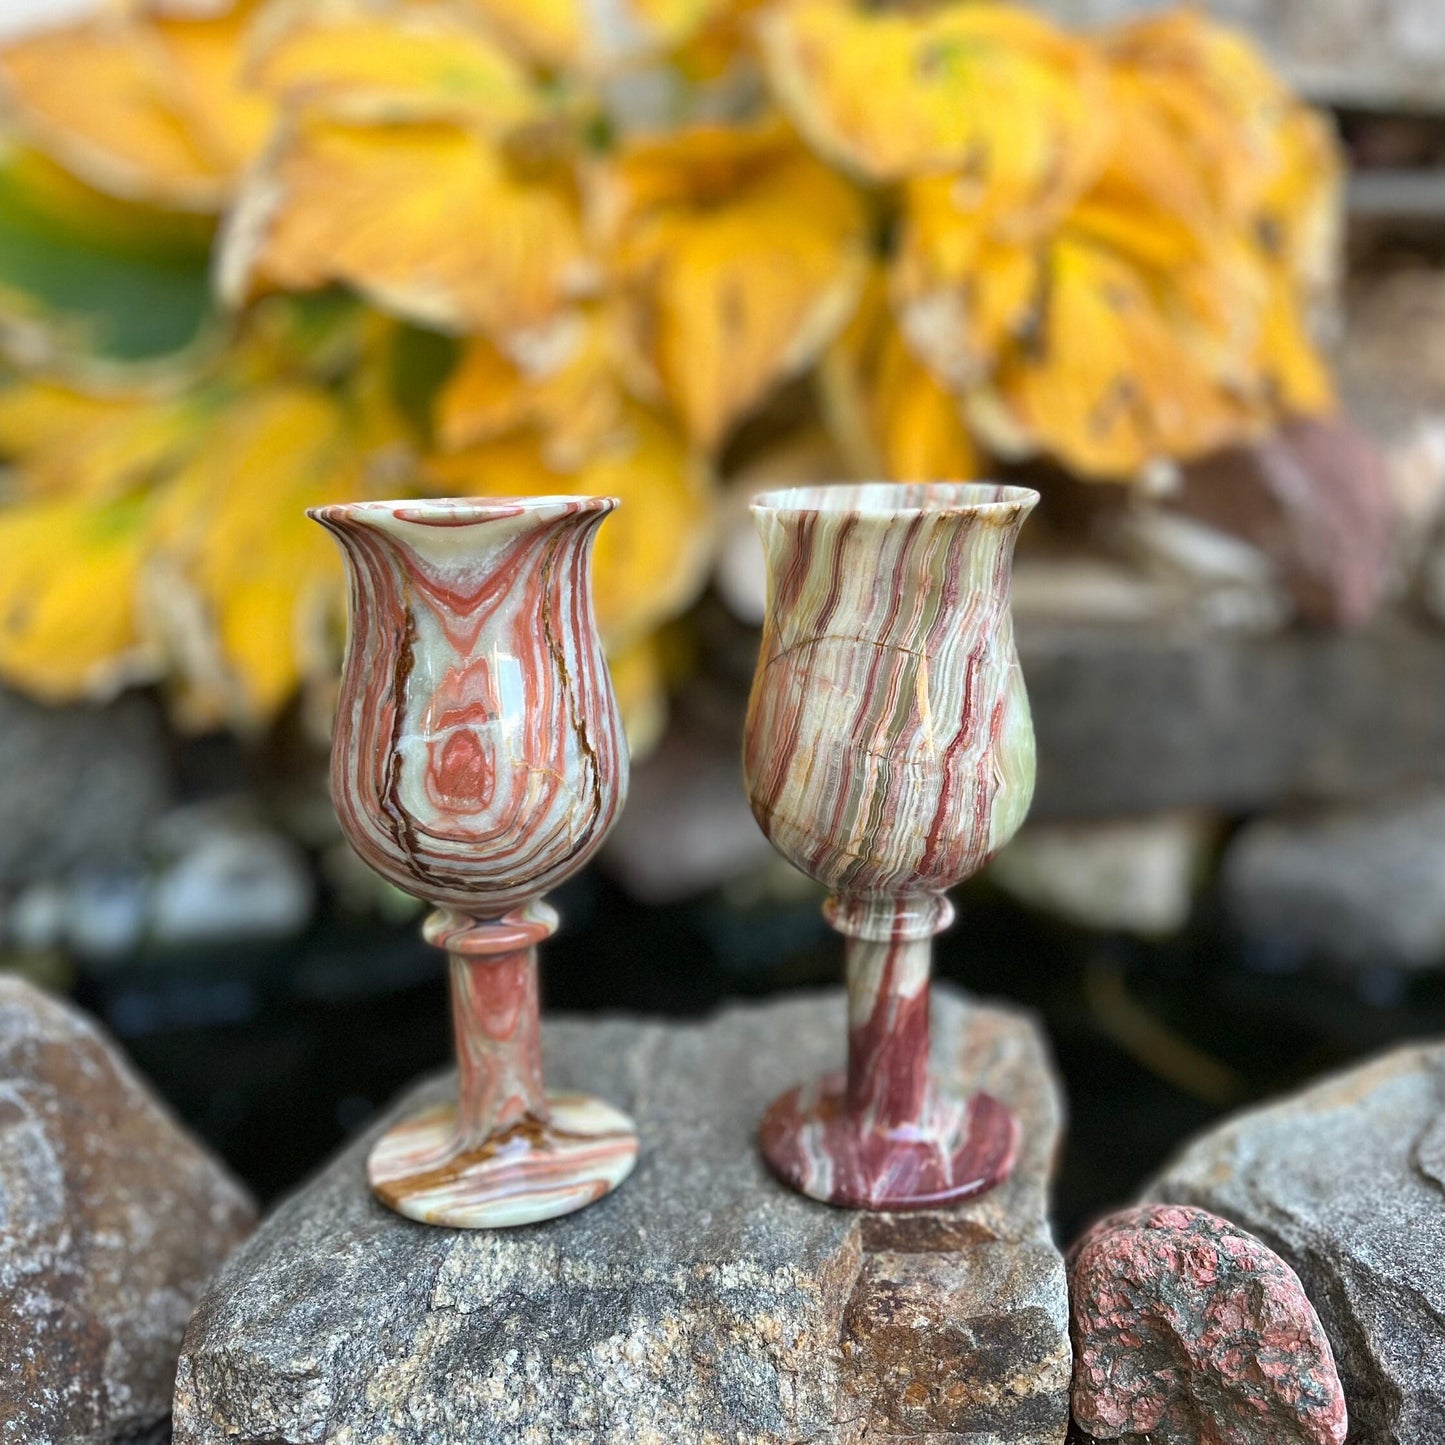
(1182, 270)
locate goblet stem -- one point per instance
(504, 1152)
(887, 1030)
(886, 1135)
(889, 956)
(496, 1024)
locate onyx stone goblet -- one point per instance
(478, 761)
(889, 753)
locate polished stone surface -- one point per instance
(478, 762)
(888, 755)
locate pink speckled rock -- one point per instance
(1188, 1331)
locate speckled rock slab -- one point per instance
(1187, 1329)
(1346, 1181)
(702, 1302)
(112, 1219)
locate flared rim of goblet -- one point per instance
(460, 511)
(900, 499)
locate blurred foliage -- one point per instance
(256, 257)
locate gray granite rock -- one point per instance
(1136, 875)
(112, 1219)
(1357, 887)
(1131, 720)
(1347, 1182)
(78, 785)
(702, 1302)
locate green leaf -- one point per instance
(420, 361)
(91, 285)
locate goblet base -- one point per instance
(530, 1171)
(960, 1147)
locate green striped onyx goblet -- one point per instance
(889, 754)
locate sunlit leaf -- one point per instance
(578, 35)
(1298, 220)
(892, 417)
(737, 256)
(1106, 383)
(992, 94)
(243, 582)
(219, 576)
(67, 597)
(652, 554)
(1293, 374)
(148, 109)
(639, 680)
(429, 220)
(95, 449)
(393, 61)
(960, 291)
(1200, 113)
(563, 385)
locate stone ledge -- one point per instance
(701, 1303)
(1132, 721)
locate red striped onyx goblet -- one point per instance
(889, 754)
(478, 761)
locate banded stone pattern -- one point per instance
(889, 746)
(496, 1015)
(478, 761)
(523, 1174)
(478, 757)
(889, 754)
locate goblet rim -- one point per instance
(463, 511)
(869, 500)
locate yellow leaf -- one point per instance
(651, 556)
(1161, 181)
(961, 292)
(1218, 177)
(223, 579)
(579, 35)
(1299, 218)
(561, 384)
(721, 52)
(398, 61)
(1200, 117)
(429, 220)
(891, 415)
(210, 55)
(1237, 294)
(640, 684)
(1294, 377)
(243, 581)
(990, 93)
(1107, 384)
(737, 257)
(1119, 212)
(67, 597)
(1297, 234)
(78, 447)
(146, 109)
